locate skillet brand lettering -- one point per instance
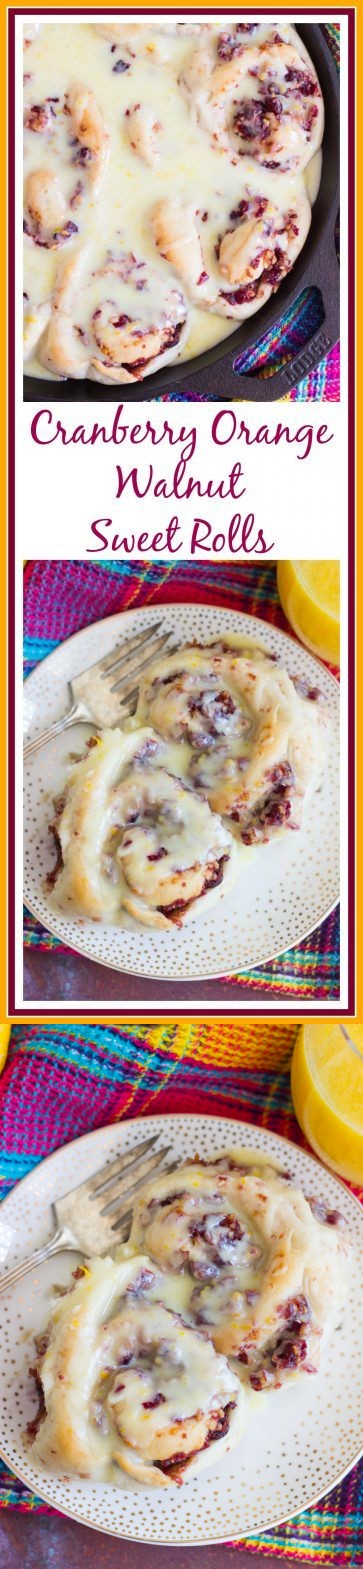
(307, 359)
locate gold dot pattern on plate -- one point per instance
(300, 1441)
(284, 889)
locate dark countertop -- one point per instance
(51, 1542)
(55, 977)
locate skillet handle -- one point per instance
(222, 381)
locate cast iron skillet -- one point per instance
(212, 374)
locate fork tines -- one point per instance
(106, 1174)
(135, 665)
(121, 651)
(126, 1181)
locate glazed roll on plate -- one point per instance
(132, 837)
(256, 736)
(123, 1381)
(267, 1276)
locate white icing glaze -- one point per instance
(130, 1378)
(258, 96)
(261, 1274)
(255, 744)
(106, 150)
(128, 1383)
(154, 821)
(134, 838)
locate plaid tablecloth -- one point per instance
(293, 331)
(62, 1081)
(61, 597)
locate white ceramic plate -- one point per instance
(299, 1443)
(285, 888)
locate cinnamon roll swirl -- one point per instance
(234, 271)
(69, 136)
(266, 1276)
(255, 739)
(115, 322)
(126, 1383)
(258, 97)
(131, 837)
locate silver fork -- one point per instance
(97, 698)
(96, 1216)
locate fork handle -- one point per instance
(62, 1240)
(73, 717)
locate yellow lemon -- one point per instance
(310, 596)
(4, 1042)
(327, 1092)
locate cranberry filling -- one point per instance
(179, 1461)
(301, 79)
(231, 44)
(253, 119)
(282, 774)
(65, 233)
(213, 708)
(270, 277)
(35, 1423)
(38, 117)
(82, 157)
(290, 1348)
(296, 1311)
(272, 813)
(216, 1240)
(77, 193)
(254, 208)
(166, 1203)
(55, 240)
(170, 339)
(213, 877)
(328, 1217)
(157, 1400)
(121, 65)
(143, 1281)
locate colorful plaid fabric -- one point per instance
(293, 331)
(61, 1081)
(62, 596)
